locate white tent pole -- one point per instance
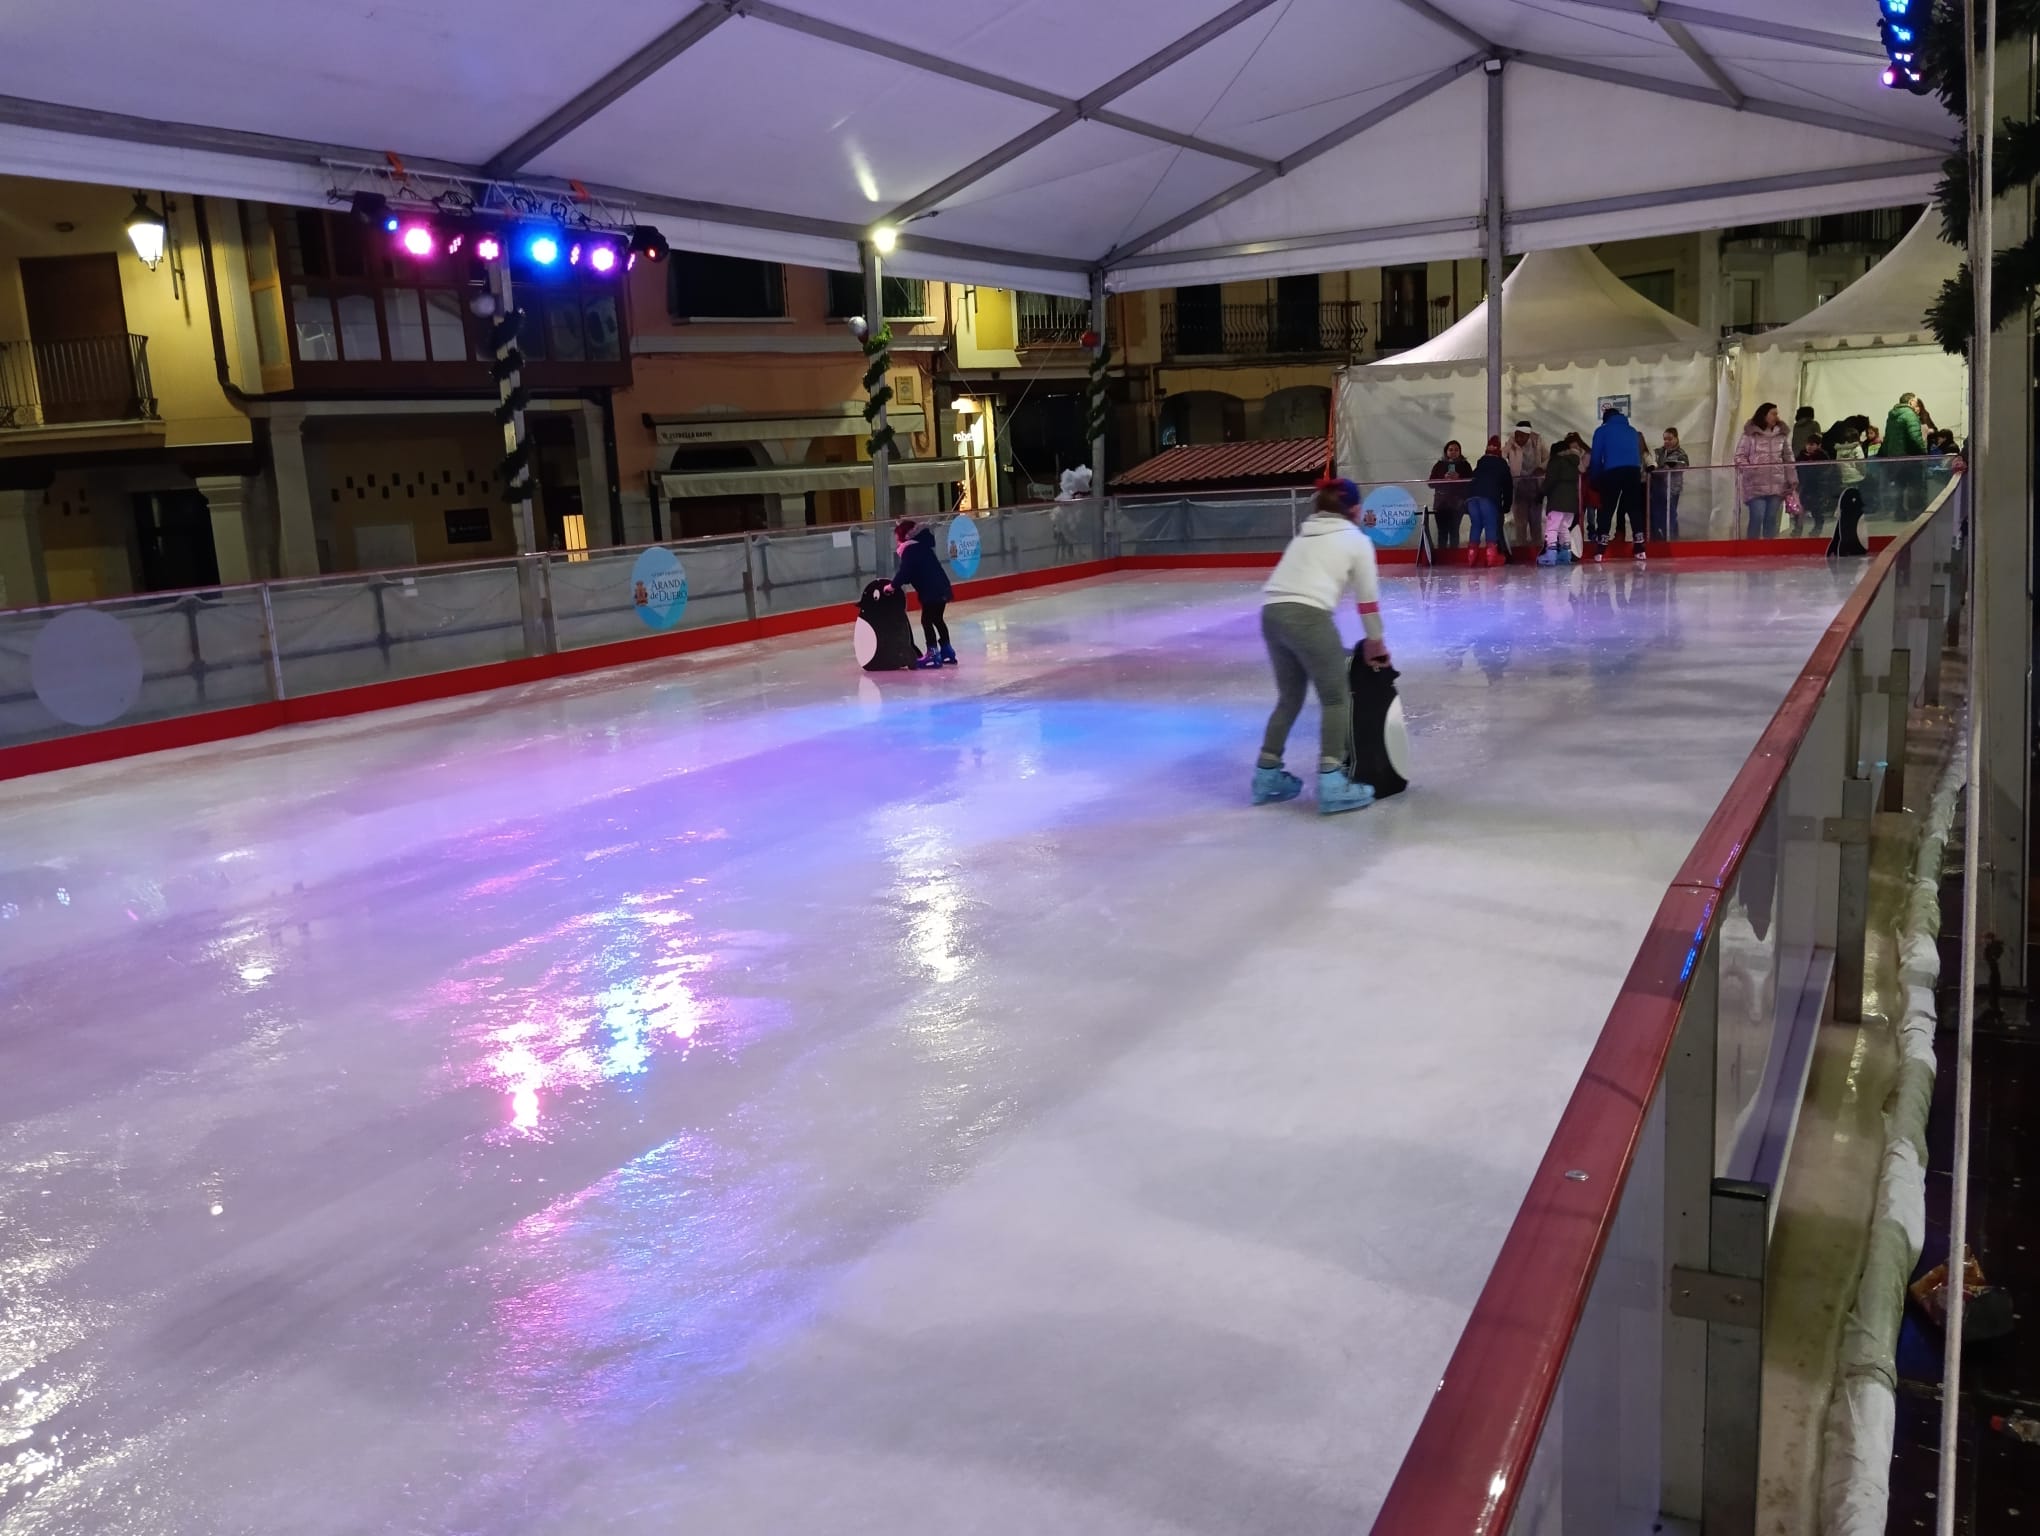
(1495, 213)
(881, 461)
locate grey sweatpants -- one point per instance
(1304, 647)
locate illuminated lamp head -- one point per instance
(418, 240)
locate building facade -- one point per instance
(745, 408)
(286, 394)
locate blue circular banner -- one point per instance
(1388, 515)
(658, 587)
(966, 549)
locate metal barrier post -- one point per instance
(750, 580)
(1898, 698)
(1937, 629)
(275, 650)
(532, 602)
(548, 617)
(1851, 830)
(1729, 1298)
(1689, 1087)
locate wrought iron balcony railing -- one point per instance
(91, 378)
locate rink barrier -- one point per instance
(226, 662)
(1609, 1376)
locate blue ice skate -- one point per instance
(948, 656)
(1336, 793)
(1275, 784)
(1551, 556)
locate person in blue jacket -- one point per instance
(1615, 466)
(921, 569)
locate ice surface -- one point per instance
(738, 1095)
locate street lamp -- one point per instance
(148, 230)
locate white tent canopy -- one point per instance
(1154, 142)
(1572, 333)
(1857, 353)
(1557, 304)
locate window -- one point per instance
(1659, 287)
(1200, 321)
(406, 322)
(312, 315)
(724, 288)
(446, 321)
(360, 336)
(1405, 305)
(905, 298)
(1745, 300)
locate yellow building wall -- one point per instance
(410, 473)
(173, 316)
(87, 536)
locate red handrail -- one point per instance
(1467, 1466)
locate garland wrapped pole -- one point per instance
(507, 368)
(1097, 340)
(875, 336)
(511, 398)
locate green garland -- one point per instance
(1101, 357)
(878, 393)
(2015, 161)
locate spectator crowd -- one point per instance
(1789, 482)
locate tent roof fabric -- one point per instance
(1556, 304)
(1885, 306)
(1024, 142)
(1278, 462)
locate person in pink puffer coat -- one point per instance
(1764, 475)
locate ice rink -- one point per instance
(736, 1096)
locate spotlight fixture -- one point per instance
(574, 254)
(543, 249)
(418, 239)
(602, 258)
(646, 241)
(488, 246)
(885, 238)
(148, 230)
(371, 208)
(1901, 26)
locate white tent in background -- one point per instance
(1857, 353)
(1572, 334)
(1555, 304)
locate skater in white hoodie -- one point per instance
(1328, 557)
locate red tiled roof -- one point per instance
(1278, 461)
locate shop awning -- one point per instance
(797, 479)
(1285, 461)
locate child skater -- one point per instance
(921, 569)
(1328, 557)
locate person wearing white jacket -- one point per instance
(1329, 557)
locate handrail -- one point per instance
(1470, 1460)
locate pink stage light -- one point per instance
(602, 258)
(417, 239)
(488, 248)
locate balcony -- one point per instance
(1049, 320)
(1334, 331)
(62, 383)
(1874, 232)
